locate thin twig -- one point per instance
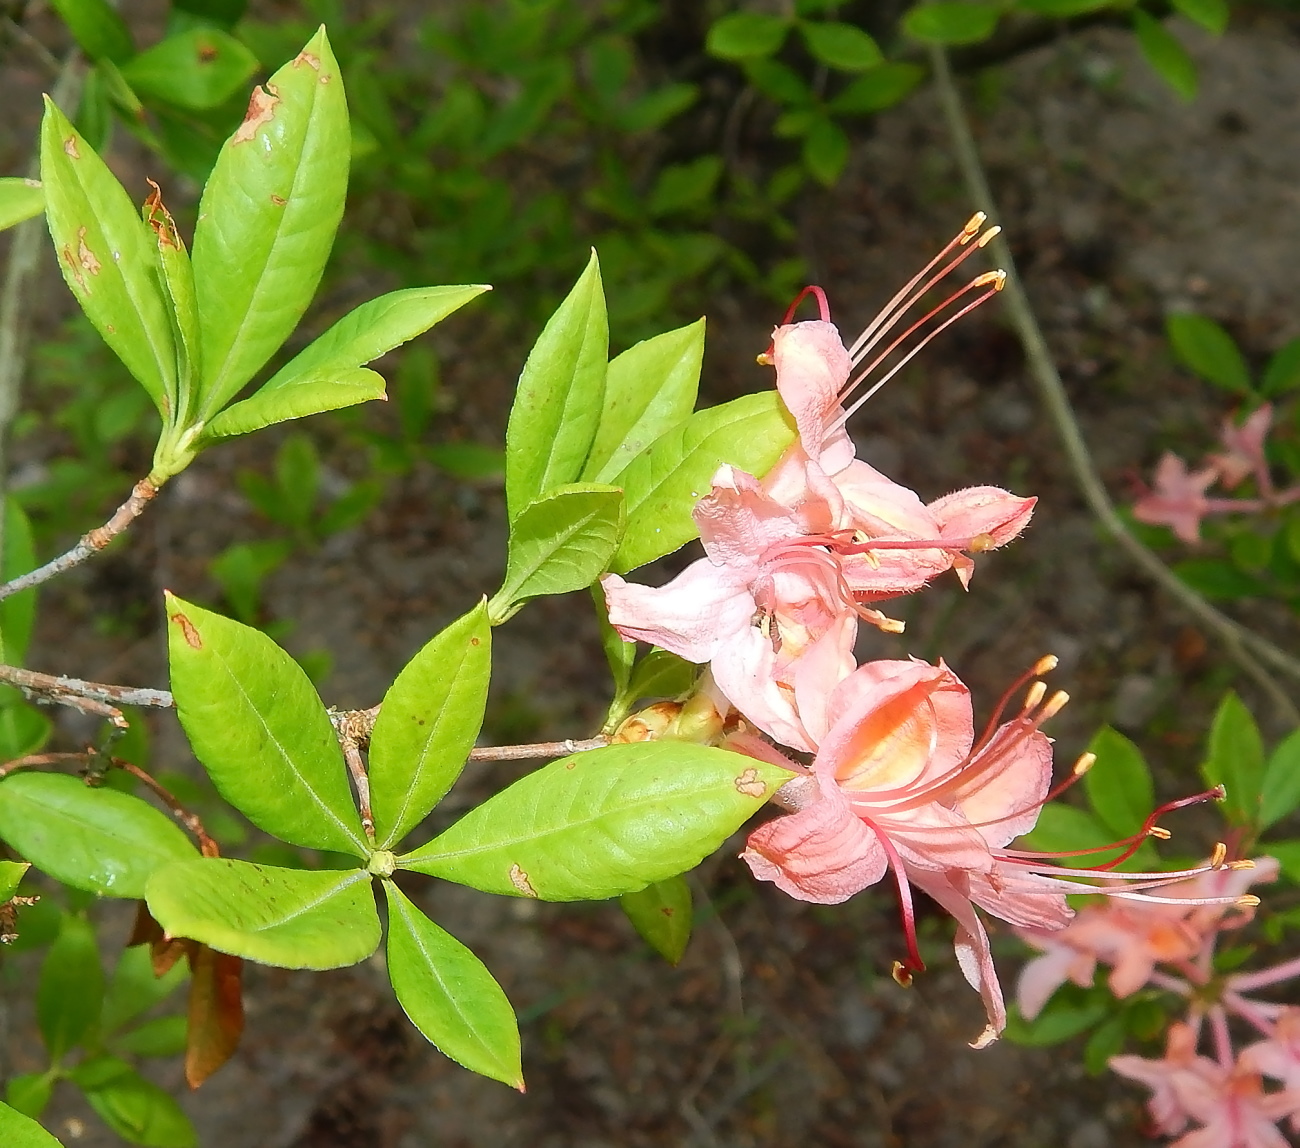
(353, 728)
(1250, 651)
(40, 53)
(37, 760)
(90, 544)
(207, 846)
(98, 698)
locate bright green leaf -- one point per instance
(1287, 854)
(1205, 348)
(663, 483)
(98, 29)
(1165, 54)
(106, 254)
(267, 219)
(136, 1109)
(292, 918)
(257, 725)
(1212, 15)
(134, 989)
(825, 150)
(601, 823)
(306, 395)
(841, 46)
(560, 396)
(1280, 790)
(661, 913)
(779, 82)
(1119, 785)
(882, 87)
(561, 542)
(427, 724)
(71, 988)
(96, 839)
(19, 199)
(11, 875)
(162, 1036)
(1063, 9)
(19, 1131)
(951, 23)
(1282, 374)
(449, 995)
(1235, 760)
(661, 674)
(1056, 1023)
(28, 1093)
(650, 388)
(198, 69)
(746, 36)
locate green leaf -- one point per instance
(297, 479)
(257, 725)
(841, 46)
(951, 23)
(18, 611)
(71, 988)
(134, 989)
(241, 569)
(661, 674)
(1287, 854)
(1119, 784)
(106, 254)
(661, 913)
(1212, 15)
(882, 87)
(619, 654)
(19, 199)
(449, 995)
(1206, 349)
(1235, 760)
(198, 69)
(1280, 790)
(1283, 371)
(307, 395)
(561, 542)
(560, 396)
(1217, 579)
(1064, 829)
(1056, 1023)
(1165, 54)
(427, 725)
(601, 823)
(825, 150)
(176, 278)
(19, 1131)
(99, 840)
(11, 875)
(779, 82)
(97, 28)
(29, 1094)
(1062, 9)
(663, 483)
(650, 388)
(136, 1109)
(684, 186)
(746, 36)
(470, 461)
(292, 918)
(1106, 1041)
(267, 219)
(162, 1036)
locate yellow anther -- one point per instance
(1219, 856)
(1247, 901)
(989, 235)
(903, 975)
(1159, 832)
(973, 224)
(892, 626)
(982, 542)
(1086, 762)
(1055, 704)
(764, 360)
(1244, 863)
(1046, 664)
(1035, 695)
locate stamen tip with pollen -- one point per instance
(974, 223)
(1219, 856)
(1034, 696)
(1046, 664)
(764, 360)
(1247, 901)
(901, 974)
(989, 236)
(1086, 762)
(1244, 863)
(1159, 832)
(1055, 704)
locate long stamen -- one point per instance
(823, 307)
(914, 963)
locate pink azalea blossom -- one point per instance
(1178, 500)
(1180, 1073)
(1278, 1057)
(1243, 453)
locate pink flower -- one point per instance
(1178, 500)
(1244, 451)
(1172, 1079)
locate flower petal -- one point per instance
(700, 608)
(812, 369)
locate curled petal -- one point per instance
(812, 368)
(982, 510)
(702, 607)
(738, 521)
(745, 672)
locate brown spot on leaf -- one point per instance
(207, 53)
(750, 784)
(160, 219)
(475, 642)
(667, 910)
(70, 147)
(307, 58)
(519, 879)
(85, 256)
(325, 79)
(73, 266)
(261, 109)
(110, 328)
(279, 200)
(187, 628)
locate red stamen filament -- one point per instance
(914, 963)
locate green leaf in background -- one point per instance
(561, 542)
(661, 674)
(241, 569)
(1063, 828)
(663, 483)
(1212, 15)
(1218, 579)
(1063, 9)
(650, 388)
(825, 150)
(297, 480)
(951, 23)
(1206, 349)
(11, 875)
(226, 13)
(841, 46)
(133, 989)
(71, 988)
(106, 254)
(1165, 54)
(28, 1093)
(449, 995)
(684, 186)
(19, 199)
(198, 69)
(1280, 789)
(746, 36)
(256, 723)
(98, 29)
(1060, 1020)
(1235, 760)
(292, 918)
(882, 87)
(661, 913)
(1282, 374)
(1287, 854)
(560, 396)
(136, 1109)
(162, 1036)
(427, 725)
(23, 728)
(326, 375)
(469, 461)
(1119, 784)
(17, 612)
(19, 1131)
(267, 219)
(601, 823)
(96, 839)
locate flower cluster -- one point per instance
(794, 562)
(1179, 499)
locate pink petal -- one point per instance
(812, 368)
(822, 854)
(690, 616)
(982, 510)
(1026, 900)
(1008, 782)
(1042, 976)
(738, 521)
(744, 668)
